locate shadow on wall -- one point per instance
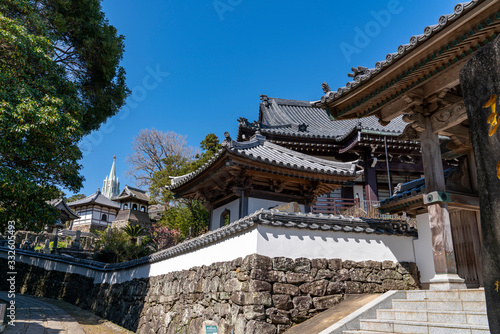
(120, 303)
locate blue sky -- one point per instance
(195, 67)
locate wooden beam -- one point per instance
(448, 117)
(466, 202)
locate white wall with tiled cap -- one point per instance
(271, 241)
(295, 243)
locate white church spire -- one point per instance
(111, 186)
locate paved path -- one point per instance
(34, 316)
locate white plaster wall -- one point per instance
(295, 243)
(229, 249)
(233, 207)
(358, 189)
(423, 249)
(255, 204)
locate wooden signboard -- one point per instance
(480, 82)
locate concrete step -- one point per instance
(451, 305)
(454, 317)
(471, 295)
(416, 327)
(361, 332)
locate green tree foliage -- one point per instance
(189, 217)
(59, 80)
(39, 125)
(87, 47)
(210, 146)
(75, 198)
(114, 246)
(133, 231)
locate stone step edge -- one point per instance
(428, 324)
(434, 311)
(361, 331)
(451, 290)
(368, 311)
(439, 301)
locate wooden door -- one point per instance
(467, 245)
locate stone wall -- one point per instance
(256, 294)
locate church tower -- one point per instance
(111, 186)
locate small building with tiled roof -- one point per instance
(96, 212)
(134, 205)
(66, 213)
(247, 176)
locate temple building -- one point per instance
(301, 127)
(421, 82)
(111, 185)
(96, 212)
(66, 215)
(244, 177)
(134, 204)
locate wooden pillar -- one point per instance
(243, 205)
(371, 189)
(439, 218)
(308, 203)
(243, 194)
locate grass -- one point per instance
(60, 244)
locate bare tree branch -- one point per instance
(150, 147)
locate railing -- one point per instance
(355, 207)
(332, 205)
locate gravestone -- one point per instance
(480, 82)
(76, 243)
(46, 249)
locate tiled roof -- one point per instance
(133, 216)
(411, 189)
(300, 119)
(97, 198)
(314, 222)
(129, 192)
(415, 41)
(63, 206)
(259, 149)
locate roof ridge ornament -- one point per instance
(259, 136)
(227, 142)
(326, 87)
(265, 100)
(356, 72)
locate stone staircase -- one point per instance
(431, 312)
